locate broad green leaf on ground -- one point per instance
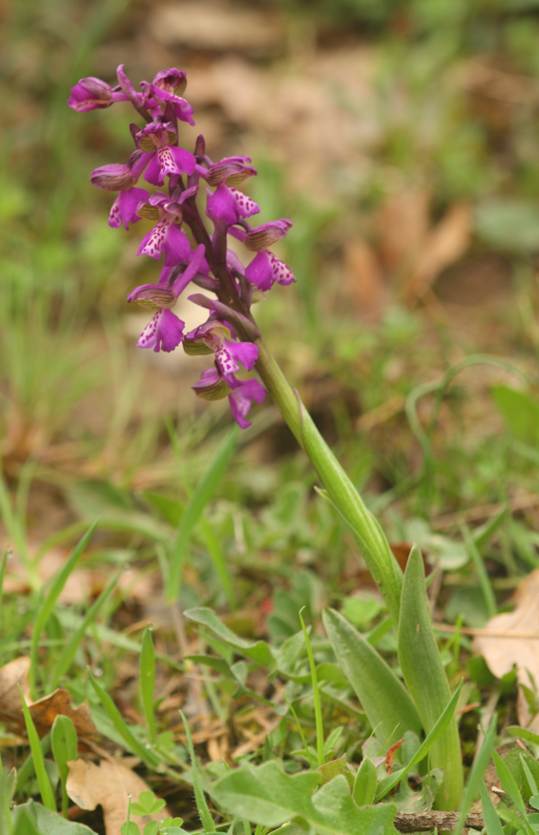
(47, 822)
(258, 651)
(267, 795)
(383, 697)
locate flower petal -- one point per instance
(154, 241)
(113, 177)
(245, 353)
(89, 94)
(259, 272)
(282, 273)
(176, 248)
(241, 399)
(263, 236)
(164, 332)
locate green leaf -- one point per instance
(492, 821)
(388, 706)
(477, 774)
(520, 411)
(267, 795)
(202, 495)
(46, 822)
(426, 680)
(147, 669)
(43, 781)
(365, 783)
(509, 225)
(64, 748)
(258, 651)
(49, 601)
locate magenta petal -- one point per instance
(245, 205)
(241, 399)
(154, 241)
(176, 248)
(185, 160)
(196, 264)
(244, 352)
(282, 273)
(128, 203)
(154, 173)
(221, 207)
(263, 236)
(259, 271)
(164, 332)
(208, 378)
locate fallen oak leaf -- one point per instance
(13, 682)
(506, 646)
(110, 785)
(44, 711)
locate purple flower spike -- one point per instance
(242, 397)
(90, 94)
(182, 238)
(164, 332)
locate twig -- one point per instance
(426, 821)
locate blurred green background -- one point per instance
(401, 137)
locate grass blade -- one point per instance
(64, 746)
(65, 659)
(477, 772)
(318, 718)
(120, 725)
(147, 683)
(205, 815)
(49, 601)
(38, 760)
(202, 495)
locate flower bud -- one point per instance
(113, 177)
(89, 94)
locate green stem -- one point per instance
(340, 489)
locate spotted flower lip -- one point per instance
(164, 332)
(167, 87)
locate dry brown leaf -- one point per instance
(13, 680)
(216, 26)
(515, 641)
(45, 711)
(110, 785)
(402, 225)
(444, 245)
(363, 283)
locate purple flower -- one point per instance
(229, 357)
(230, 170)
(162, 157)
(227, 206)
(124, 209)
(165, 91)
(166, 236)
(265, 269)
(164, 331)
(91, 93)
(263, 236)
(241, 398)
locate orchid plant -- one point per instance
(201, 219)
